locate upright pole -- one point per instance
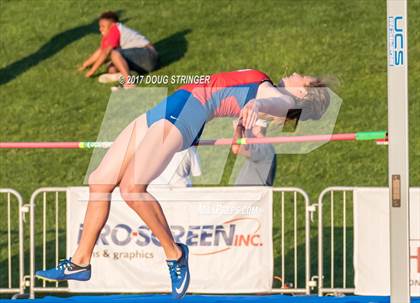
(398, 150)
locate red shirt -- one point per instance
(227, 93)
(112, 39)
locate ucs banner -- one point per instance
(228, 231)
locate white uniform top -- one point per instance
(129, 38)
(179, 170)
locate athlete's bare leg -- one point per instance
(137, 156)
(101, 184)
(156, 150)
(121, 64)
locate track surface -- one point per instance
(213, 299)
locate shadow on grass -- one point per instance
(4, 260)
(49, 49)
(53, 46)
(172, 48)
(289, 257)
(338, 252)
(300, 252)
(14, 261)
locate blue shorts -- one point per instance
(184, 111)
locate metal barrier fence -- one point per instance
(13, 285)
(341, 257)
(291, 239)
(46, 210)
(290, 282)
(292, 202)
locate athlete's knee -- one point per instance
(100, 192)
(94, 178)
(101, 188)
(133, 193)
(100, 180)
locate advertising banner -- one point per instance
(228, 231)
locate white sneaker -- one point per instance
(108, 78)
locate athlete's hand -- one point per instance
(238, 128)
(89, 74)
(83, 66)
(249, 114)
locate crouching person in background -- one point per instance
(124, 47)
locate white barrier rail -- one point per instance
(329, 277)
(55, 191)
(335, 240)
(293, 199)
(12, 196)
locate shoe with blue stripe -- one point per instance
(180, 273)
(65, 270)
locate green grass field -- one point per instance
(44, 98)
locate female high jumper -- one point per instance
(145, 147)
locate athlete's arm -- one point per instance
(276, 106)
(103, 54)
(92, 58)
(239, 149)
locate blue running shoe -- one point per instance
(65, 270)
(180, 273)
